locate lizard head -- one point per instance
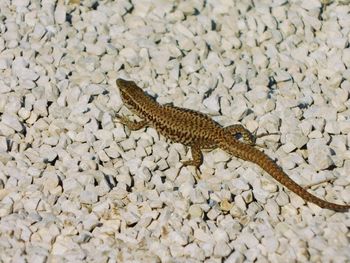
(129, 91)
(132, 95)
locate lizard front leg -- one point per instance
(132, 125)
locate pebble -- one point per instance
(119, 133)
(239, 108)
(47, 153)
(222, 249)
(236, 256)
(225, 205)
(178, 238)
(20, 3)
(344, 126)
(27, 74)
(3, 144)
(11, 121)
(60, 14)
(296, 140)
(70, 185)
(319, 154)
(195, 211)
(4, 88)
(4, 63)
(88, 196)
(328, 113)
(212, 104)
(128, 144)
(90, 221)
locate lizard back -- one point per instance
(180, 125)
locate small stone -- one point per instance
(51, 180)
(53, 140)
(31, 204)
(270, 243)
(90, 221)
(306, 127)
(296, 140)
(191, 63)
(4, 63)
(220, 235)
(71, 185)
(317, 111)
(212, 103)
(240, 203)
(239, 108)
(344, 127)
(221, 156)
(346, 56)
(113, 151)
(222, 249)
(40, 107)
(213, 213)
(12, 121)
(247, 196)
(97, 49)
(272, 208)
(20, 3)
(48, 153)
(131, 218)
(130, 55)
(225, 205)
(88, 196)
(282, 76)
(3, 144)
(201, 235)
(310, 4)
(39, 31)
(33, 171)
(5, 209)
(60, 14)
(178, 238)
(104, 135)
(259, 59)
(236, 256)
(249, 240)
(332, 127)
(4, 88)
(24, 113)
(27, 74)
(258, 95)
(119, 133)
(195, 211)
(319, 154)
(288, 147)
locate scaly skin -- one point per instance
(198, 131)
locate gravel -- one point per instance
(77, 186)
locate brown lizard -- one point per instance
(198, 131)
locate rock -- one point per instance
(12, 121)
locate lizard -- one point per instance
(198, 131)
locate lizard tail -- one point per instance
(249, 153)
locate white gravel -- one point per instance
(76, 186)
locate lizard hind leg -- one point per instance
(238, 129)
(247, 136)
(196, 161)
